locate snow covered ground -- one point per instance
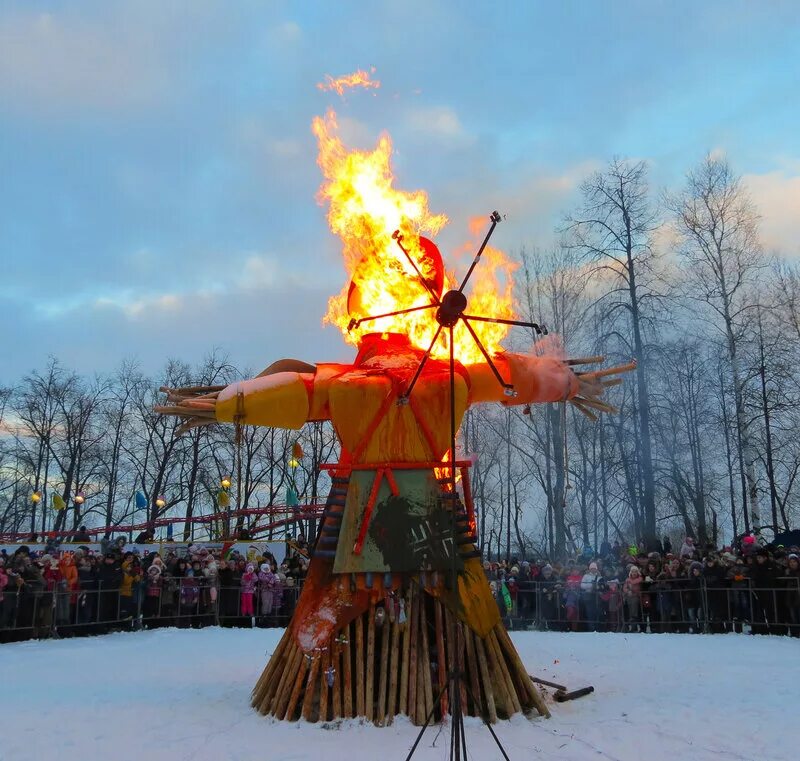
(177, 694)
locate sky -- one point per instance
(158, 173)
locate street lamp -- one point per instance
(160, 501)
(224, 500)
(36, 497)
(80, 498)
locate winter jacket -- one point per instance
(632, 586)
(249, 581)
(190, 591)
(51, 578)
(589, 582)
(267, 581)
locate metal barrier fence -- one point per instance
(659, 608)
(40, 613)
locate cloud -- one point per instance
(438, 122)
(49, 61)
(287, 32)
(121, 57)
(777, 196)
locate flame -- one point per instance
(364, 209)
(358, 78)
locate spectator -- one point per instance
(632, 593)
(764, 578)
(152, 598)
(792, 579)
(589, 591)
(687, 548)
(109, 579)
(249, 581)
(82, 535)
(267, 581)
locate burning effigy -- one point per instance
(396, 606)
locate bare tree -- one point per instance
(717, 226)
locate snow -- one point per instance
(184, 694)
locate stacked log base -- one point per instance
(377, 671)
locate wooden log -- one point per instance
(324, 689)
(395, 666)
(521, 672)
(502, 698)
(512, 692)
(312, 684)
(474, 673)
(459, 626)
(404, 665)
(562, 697)
(370, 687)
(441, 655)
(412, 662)
(284, 689)
(619, 369)
(426, 657)
(294, 698)
(263, 684)
(585, 360)
(486, 680)
(386, 633)
(450, 644)
(420, 710)
(347, 686)
(554, 685)
(338, 681)
(359, 656)
(268, 683)
(578, 406)
(596, 404)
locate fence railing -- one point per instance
(659, 608)
(34, 612)
(31, 612)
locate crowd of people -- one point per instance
(750, 587)
(81, 592)
(696, 589)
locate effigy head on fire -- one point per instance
(396, 597)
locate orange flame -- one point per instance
(358, 78)
(364, 209)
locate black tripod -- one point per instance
(450, 309)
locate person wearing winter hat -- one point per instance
(687, 548)
(152, 595)
(267, 581)
(249, 581)
(632, 594)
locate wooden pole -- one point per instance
(324, 689)
(404, 666)
(480, 651)
(412, 665)
(359, 654)
(348, 673)
(297, 689)
(386, 631)
(312, 684)
(370, 698)
(395, 666)
(474, 676)
(441, 656)
(426, 658)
